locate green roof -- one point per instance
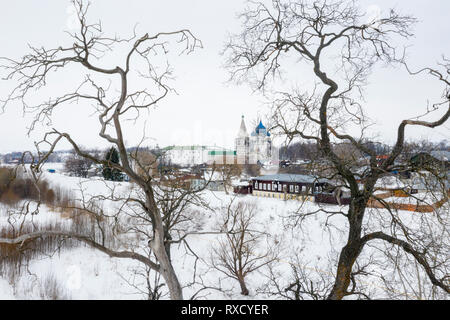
(221, 153)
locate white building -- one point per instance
(254, 148)
(187, 156)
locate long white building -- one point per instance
(187, 156)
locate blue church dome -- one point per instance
(262, 129)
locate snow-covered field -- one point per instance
(86, 273)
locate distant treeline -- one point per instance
(60, 155)
(309, 150)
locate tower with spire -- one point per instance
(242, 144)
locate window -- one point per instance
(291, 188)
(280, 187)
(256, 185)
(264, 186)
(268, 186)
(296, 189)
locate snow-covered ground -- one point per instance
(86, 273)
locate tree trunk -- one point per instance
(244, 290)
(349, 252)
(347, 258)
(167, 270)
(157, 244)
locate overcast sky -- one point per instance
(207, 109)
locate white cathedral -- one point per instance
(255, 148)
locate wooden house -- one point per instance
(288, 186)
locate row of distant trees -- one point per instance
(309, 150)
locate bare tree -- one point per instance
(304, 283)
(227, 172)
(239, 253)
(146, 162)
(315, 33)
(113, 106)
(146, 282)
(77, 166)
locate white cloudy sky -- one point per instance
(207, 109)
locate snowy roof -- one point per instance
(390, 183)
(212, 175)
(286, 177)
(240, 183)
